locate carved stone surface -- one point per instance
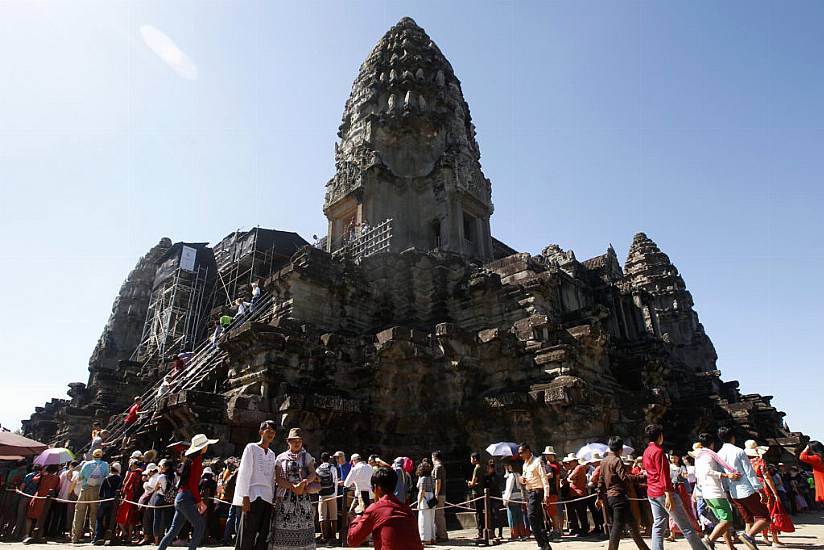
(408, 152)
(416, 349)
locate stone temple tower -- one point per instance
(408, 153)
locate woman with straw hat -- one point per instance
(188, 504)
(293, 521)
(755, 453)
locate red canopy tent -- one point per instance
(17, 445)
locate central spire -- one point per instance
(408, 151)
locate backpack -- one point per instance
(171, 491)
(327, 482)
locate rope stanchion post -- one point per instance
(487, 510)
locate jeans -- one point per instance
(161, 521)
(232, 521)
(660, 516)
(622, 516)
(105, 520)
(185, 510)
(535, 513)
(254, 526)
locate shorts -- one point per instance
(328, 508)
(551, 508)
(751, 508)
(720, 507)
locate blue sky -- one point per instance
(700, 123)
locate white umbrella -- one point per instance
(584, 454)
(504, 448)
(57, 455)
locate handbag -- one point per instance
(432, 502)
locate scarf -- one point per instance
(715, 458)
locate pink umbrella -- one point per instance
(57, 455)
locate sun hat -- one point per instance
(207, 471)
(97, 453)
(137, 454)
(751, 448)
(596, 457)
(549, 450)
(151, 467)
(294, 433)
(570, 458)
(199, 442)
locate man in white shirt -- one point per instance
(255, 489)
(536, 483)
(708, 475)
(361, 477)
(744, 491)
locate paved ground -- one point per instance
(809, 535)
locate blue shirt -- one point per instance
(93, 473)
(748, 484)
(29, 486)
(343, 471)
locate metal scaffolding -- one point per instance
(244, 257)
(177, 314)
(372, 241)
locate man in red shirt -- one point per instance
(391, 524)
(577, 483)
(133, 412)
(662, 497)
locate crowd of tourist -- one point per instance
(270, 500)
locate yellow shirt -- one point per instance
(534, 475)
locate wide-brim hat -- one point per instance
(137, 454)
(751, 448)
(199, 442)
(596, 457)
(570, 458)
(151, 467)
(294, 433)
(549, 450)
(97, 453)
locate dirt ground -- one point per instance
(809, 535)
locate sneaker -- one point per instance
(748, 541)
(709, 543)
